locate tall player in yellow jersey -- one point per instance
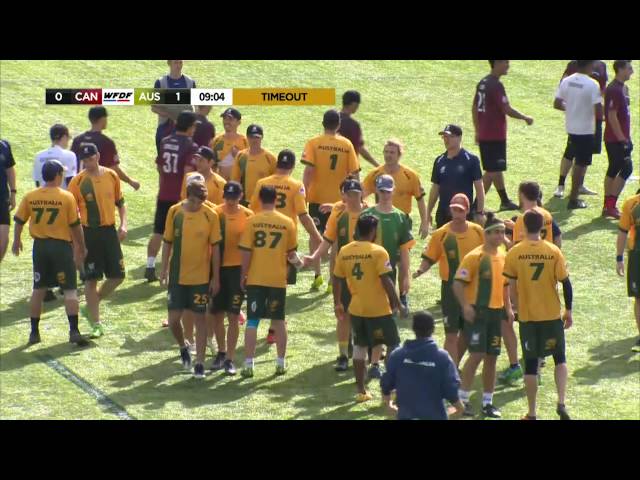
(269, 242)
(483, 292)
(534, 268)
(97, 191)
(447, 247)
(52, 214)
(367, 269)
(233, 222)
(329, 158)
(204, 166)
(628, 226)
(253, 163)
(191, 268)
(227, 145)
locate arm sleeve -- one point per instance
(596, 94)
(406, 239)
(246, 241)
(331, 230)
(561, 267)
(254, 204)
(467, 269)
(10, 160)
(168, 226)
(72, 211)
(417, 190)
(119, 197)
(434, 249)
(626, 219)
(354, 164)
(215, 235)
(560, 92)
(338, 269)
(299, 201)
(567, 293)
(435, 176)
(292, 237)
(24, 212)
(308, 155)
(510, 268)
(476, 171)
(383, 264)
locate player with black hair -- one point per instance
(350, 128)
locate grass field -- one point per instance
(135, 370)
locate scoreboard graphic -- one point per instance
(191, 96)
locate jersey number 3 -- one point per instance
(170, 162)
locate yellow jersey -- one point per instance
(520, 232)
(333, 158)
(407, 186)
(97, 196)
(537, 266)
(191, 234)
(248, 169)
(630, 221)
(51, 212)
(215, 187)
(270, 236)
(290, 196)
(449, 248)
(362, 264)
(341, 225)
(231, 227)
(482, 274)
(222, 147)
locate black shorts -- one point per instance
(580, 149)
(5, 218)
(494, 156)
(319, 218)
(633, 274)
(188, 297)
(53, 264)
(541, 339)
(597, 139)
(485, 333)
(230, 297)
(104, 255)
(451, 310)
(373, 331)
(266, 302)
(162, 209)
(619, 156)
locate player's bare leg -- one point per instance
(462, 347)
(108, 287)
(233, 332)
(510, 342)
(201, 335)
(218, 331)
(466, 381)
(451, 346)
(561, 374)
(187, 325)
(531, 389)
(280, 327)
(35, 304)
(343, 330)
(250, 337)
(359, 367)
(565, 167)
(4, 240)
(93, 300)
(176, 327)
(577, 181)
(313, 246)
(155, 242)
(487, 181)
(636, 308)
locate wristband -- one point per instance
(619, 258)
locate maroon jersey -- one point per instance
(106, 147)
(176, 153)
(350, 129)
(599, 74)
(616, 97)
(205, 131)
(490, 102)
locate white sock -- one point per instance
(280, 362)
(464, 395)
(487, 398)
(151, 262)
(248, 362)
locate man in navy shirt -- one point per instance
(455, 171)
(422, 375)
(7, 193)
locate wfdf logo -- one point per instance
(123, 96)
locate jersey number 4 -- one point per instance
(357, 271)
(170, 162)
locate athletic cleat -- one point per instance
(150, 274)
(229, 367)
(271, 337)
(374, 372)
(281, 369)
(363, 397)
(198, 371)
(241, 318)
(561, 410)
(559, 193)
(506, 206)
(527, 417)
(576, 204)
(50, 296)
(404, 306)
(491, 411)
(585, 191)
(218, 362)
(611, 213)
(511, 374)
(636, 347)
(34, 337)
(343, 364)
(247, 372)
(185, 356)
(97, 330)
(317, 283)
(79, 340)
(165, 323)
(468, 410)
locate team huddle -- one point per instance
(226, 228)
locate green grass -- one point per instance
(136, 363)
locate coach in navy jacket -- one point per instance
(423, 376)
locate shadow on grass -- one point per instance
(134, 236)
(610, 360)
(25, 355)
(596, 224)
(304, 302)
(140, 292)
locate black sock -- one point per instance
(503, 195)
(73, 322)
(316, 275)
(35, 321)
(515, 365)
(562, 179)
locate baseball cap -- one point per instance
(51, 169)
(452, 129)
(232, 190)
(460, 200)
(351, 185)
(385, 183)
(206, 152)
(232, 112)
(196, 177)
(286, 159)
(255, 131)
(87, 150)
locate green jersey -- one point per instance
(394, 231)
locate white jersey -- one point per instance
(580, 93)
(66, 157)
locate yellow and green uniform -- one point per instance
(407, 186)
(394, 232)
(630, 222)
(290, 196)
(341, 226)
(215, 187)
(248, 169)
(222, 147)
(51, 213)
(520, 232)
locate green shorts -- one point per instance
(451, 310)
(188, 297)
(53, 264)
(372, 331)
(541, 339)
(104, 255)
(485, 333)
(319, 218)
(266, 302)
(633, 274)
(230, 297)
